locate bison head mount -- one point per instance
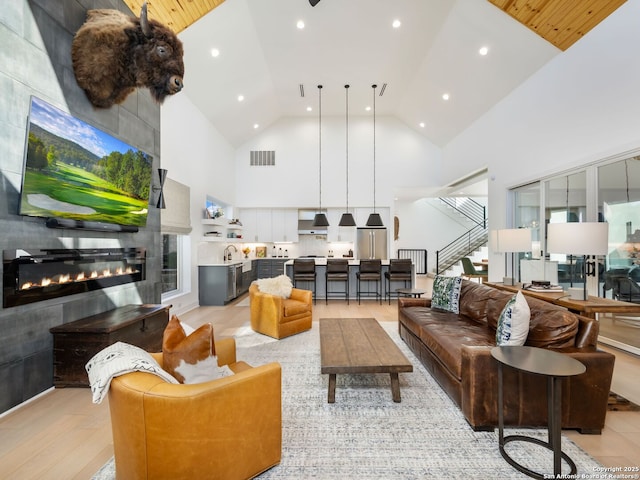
(113, 54)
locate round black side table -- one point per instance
(554, 366)
(410, 292)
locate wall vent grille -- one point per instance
(262, 158)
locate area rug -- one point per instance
(364, 434)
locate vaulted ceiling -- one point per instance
(276, 66)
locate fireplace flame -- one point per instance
(80, 277)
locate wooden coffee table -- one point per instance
(359, 345)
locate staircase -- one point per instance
(470, 241)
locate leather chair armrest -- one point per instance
(300, 295)
(413, 302)
(267, 305)
(226, 351)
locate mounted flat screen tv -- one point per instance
(78, 176)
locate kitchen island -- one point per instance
(335, 289)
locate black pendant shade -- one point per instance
(320, 220)
(374, 220)
(347, 220)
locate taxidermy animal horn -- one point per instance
(144, 22)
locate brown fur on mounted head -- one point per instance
(113, 54)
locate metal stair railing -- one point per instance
(468, 208)
(461, 247)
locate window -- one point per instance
(169, 263)
(175, 274)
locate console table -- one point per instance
(74, 343)
(586, 308)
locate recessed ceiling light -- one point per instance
(396, 23)
(215, 52)
(483, 51)
(445, 96)
(300, 24)
(421, 124)
(240, 98)
(368, 109)
(309, 109)
(255, 125)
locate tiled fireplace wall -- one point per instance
(36, 40)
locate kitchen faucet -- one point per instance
(227, 252)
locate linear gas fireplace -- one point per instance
(36, 275)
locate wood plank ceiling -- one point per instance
(175, 14)
(560, 22)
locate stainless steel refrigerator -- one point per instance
(372, 243)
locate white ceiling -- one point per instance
(264, 57)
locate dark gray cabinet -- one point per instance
(216, 284)
(271, 267)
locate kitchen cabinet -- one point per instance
(271, 267)
(284, 224)
(219, 284)
(257, 224)
(270, 224)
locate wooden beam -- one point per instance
(560, 22)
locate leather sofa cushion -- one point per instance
(473, 301)
(550, 326)
(294, 307)
(445, 333)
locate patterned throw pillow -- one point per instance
(191, 358)
(446, 293)
(513, 323)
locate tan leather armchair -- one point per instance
(229, 428)
(280, 317)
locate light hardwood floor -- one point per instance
(62, 435)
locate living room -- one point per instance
(578, 108)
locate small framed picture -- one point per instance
(261, 252)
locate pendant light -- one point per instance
(347, 219)
(320, 219)
(374, 219)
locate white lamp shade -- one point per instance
(514, 240)
(585, 238)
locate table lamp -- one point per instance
(584, 238)
(513, 240)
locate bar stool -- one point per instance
(304, 270)
(399, 271)
(337, 271)
(370, 271)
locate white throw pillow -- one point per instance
(203, 370)
(118, 359)
(513, 323)
(280, 286)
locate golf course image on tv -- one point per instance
(75, 171)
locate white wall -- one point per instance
(194, 153)
(403, 159)
(581, 107)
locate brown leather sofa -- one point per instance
(456, 349)
(280, 317)
(227, 428)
